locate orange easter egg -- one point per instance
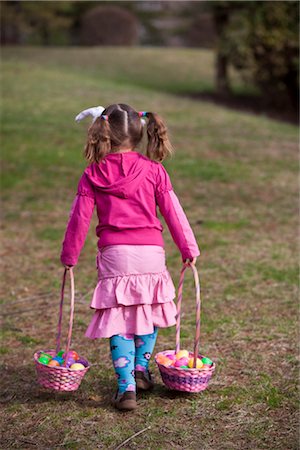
(159, 358)
(53, 363)
(167, 362)
(164, 360)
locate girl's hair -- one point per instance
(120, 125)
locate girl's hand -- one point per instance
(191, 261)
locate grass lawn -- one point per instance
(236, 177)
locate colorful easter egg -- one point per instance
(207, 361)
(160, 358)
(184, 367)
(59, 359)
(181, 362)
(164, 360)
(53, 363)
(77, 366)
(60, 353)
(71, 354)
(206, 367)
(168, 362)
(46, 354)
(199, 363)
(70, 362)
(83, 362)
(171, 356)
(44, 359)
(182, 354)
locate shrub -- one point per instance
(109, 25)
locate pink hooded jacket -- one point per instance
(126, 189)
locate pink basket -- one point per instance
(60, 378)
(188, 380)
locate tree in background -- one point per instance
(109, 25)
(222, 11)
(260, 39)
(32, 22)
(262, 43)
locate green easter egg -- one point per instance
(60, 353)
(46, 354)
(184, 367)
(206, 361)
(44, 359)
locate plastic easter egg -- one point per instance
(167, 362)
(83, 362)
(160, 358)
(182, 354)
(171, 356)
(59, 359)
(53, 363)
(71, 354)
(184, 367)
(70, 362)
(44, 359)
(46, 354)
(207, 361)
(199, 363)
(77, 366)
(60, 353)
(181, 362)
(206, 366)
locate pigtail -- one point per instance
(159, 146)
(98, 141)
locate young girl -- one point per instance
(135, 294)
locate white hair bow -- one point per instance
(95, 112)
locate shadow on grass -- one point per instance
(250, 103)
(20, 387)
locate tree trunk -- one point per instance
(222, 81)
(221, 13)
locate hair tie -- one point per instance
(95, 112)
(104, 117)
(142, 113)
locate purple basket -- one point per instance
(192, 379)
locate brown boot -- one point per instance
(125, 401)
(144, 380)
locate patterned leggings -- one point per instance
(131, 352)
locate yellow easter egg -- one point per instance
(77, 366)
(182, 354)
(199, 363)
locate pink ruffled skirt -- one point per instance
(135, 291)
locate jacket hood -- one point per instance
(119, 174)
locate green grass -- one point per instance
(235, 174)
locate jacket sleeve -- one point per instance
(79, 222)
(175, 217)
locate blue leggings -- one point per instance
(131, 352)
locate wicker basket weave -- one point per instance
(193, 379)
(60, 378)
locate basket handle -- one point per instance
(70, 270)
(198, 308)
